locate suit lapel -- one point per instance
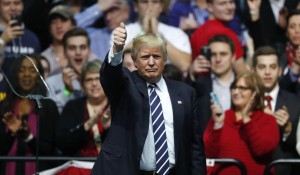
(280, 100)
(178, 116)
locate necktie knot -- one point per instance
(268, 98)
(152, 86)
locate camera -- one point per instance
(17, 18)
(205, 51)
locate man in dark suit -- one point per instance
(283, 105)
(132, 146)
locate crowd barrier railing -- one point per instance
(278, 162)
(228, 161)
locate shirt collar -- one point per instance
(274, 92)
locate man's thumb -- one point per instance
(122, 25)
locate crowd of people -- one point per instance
(246, 52)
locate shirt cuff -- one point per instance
(115, 59)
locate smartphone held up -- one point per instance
(18, 20)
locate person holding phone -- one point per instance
(15, 38)
(65, 86)
(213, 73)
(244, 132)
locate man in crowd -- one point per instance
(283, 105)
(65, 85)
(219, 67)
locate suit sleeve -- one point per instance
(111, 78)
(197, 151)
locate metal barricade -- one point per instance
(280, 161)
(228, 161)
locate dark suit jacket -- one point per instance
(123, 146)
(287, 149)
(266, 31)
(203, 86)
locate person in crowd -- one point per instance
(284, 106)
(15, 37)
(3, 82)
(172, 72)
(19, 118)
(80, 132)
(219, 67)
(113, 12)
(127, 60)
(65, 86)
(290, 58)
(221, 12)
(46, 66)
(60, 21)
(243, 132)
(179, 48)
(266, 21)
(154, 126)
(188, 14)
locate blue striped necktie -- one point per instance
(159, 132)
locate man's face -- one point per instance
(115, 16)
(10, 7)
(221, 58)
(293, 30)
(59, 26)
(77, 52)
(269, 71)
(149, 8)
(150, 63)
(222, 9)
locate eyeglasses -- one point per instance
(240, 88)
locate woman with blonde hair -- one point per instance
(243, 132)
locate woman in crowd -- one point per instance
(84, 121)
(243, 132)
(290, 57)
(18, 127)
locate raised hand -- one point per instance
(12, 122)
(246, 112)
(11, 32)
(120, 35)
(282, 116)
(199, 65)
(69, 74)
(216, 111)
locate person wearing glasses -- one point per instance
(80, 132)
(244, 132)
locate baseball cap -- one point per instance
(61, 10)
